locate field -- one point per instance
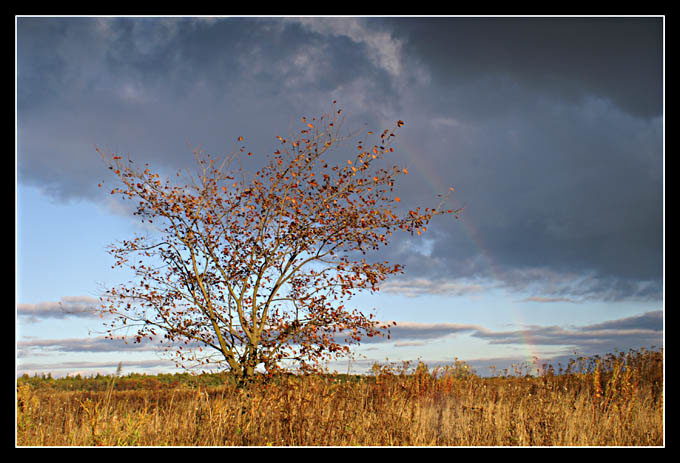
(615, 400)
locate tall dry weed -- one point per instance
(614, 400)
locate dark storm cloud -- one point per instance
(620, 59)
(567, 189)
(551, 132)
(550, 129)
(147, 86)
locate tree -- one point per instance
(256, 270)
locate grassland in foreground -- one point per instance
(615, 400)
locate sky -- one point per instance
(550, 129)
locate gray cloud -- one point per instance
(422, 286)
(644, 330)
(68, 306)
(635, 332)
(98, 344)
(547, 299)
(641, 331)
(90, 368)
(427, 331)
(557, 158)
(567, 58)
(550, 129)
(649, 321)
(146, 86)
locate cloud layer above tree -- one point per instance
(550, 129)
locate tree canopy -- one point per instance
(257, 269)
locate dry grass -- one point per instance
(617, 402)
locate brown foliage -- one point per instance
(258, 270)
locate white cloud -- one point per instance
(409, 344)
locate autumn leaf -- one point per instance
(226, 259)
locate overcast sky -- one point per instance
(550, 130)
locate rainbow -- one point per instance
(419, 164)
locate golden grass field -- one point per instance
(616, 400)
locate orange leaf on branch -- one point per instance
(225, 261)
